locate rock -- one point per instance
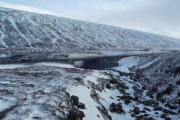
(112, 107)
(154, 89)
(81, 105)
(159, 97)
(81, 115)
(147, 109)
(168, 90)
(150, 103)
(178, 82)
(78, 79)
(136, 110)
(136, 98)
(168, 112)
(6, 111)
(74, 100)
(116, 108)
(98, 116)
(104, 112)
(113, 81)
(37, 118)
(119, 108)
(28, 85)
(5, 91)
(150, 118)
(158, 109)
(178, 94)
(179, 111)
(75, 115)
(142, 117)
(156, 113)
(143, 111)
(94, 95)
(144, 87)
(108, 86)
(127, 99)
(164, 110)
(165, 117)
(67, 94)
(121, 85)
(177, 71)
(171, 106)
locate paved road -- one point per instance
(57, 56)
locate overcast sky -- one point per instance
(155, 16)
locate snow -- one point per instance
(74, 35)
(83, 93)
(126, 63)
(106, 94)
(3, 55)
(106, 99)
(52, 64)
(4, 105)
(82, 55)
(78, 63)
(12, 66)
(149, 63)
(55, 64)
(21, 34)
(2, 36)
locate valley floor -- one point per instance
(55, 91)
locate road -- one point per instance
(57, 56)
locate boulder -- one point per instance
(81, 105)
(112, 107)
(74, 100)
(116, 108)
(119, 108)
(75, 115)
(136, 110)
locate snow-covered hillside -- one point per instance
(20, 29)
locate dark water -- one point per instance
(99, 64)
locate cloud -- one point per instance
(155, 16)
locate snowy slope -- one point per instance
(20, 29)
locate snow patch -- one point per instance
(126, 63)
(83, 93)
(4, 105)
(3, 55)
(93, 77)
(52, 64)
(78, 63)
(149, 63)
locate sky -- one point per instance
(155, 16)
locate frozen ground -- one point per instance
(43, 91)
